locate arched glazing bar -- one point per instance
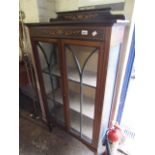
(50, 65)
(81, 72)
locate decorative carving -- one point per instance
(68, 33)
(80, 16)
(103, 16)
(98, 16)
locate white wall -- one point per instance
(38, 10)
(46, 9)
(97, 2)
(128, 9)
(66, 5)
(63, 5)
(30, 9)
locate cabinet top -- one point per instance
(83, 17)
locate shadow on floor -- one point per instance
(37, 140)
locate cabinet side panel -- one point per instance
(114, 55)
(122, 37)
(101, 80)
(109, 89)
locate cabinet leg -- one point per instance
(50, 127)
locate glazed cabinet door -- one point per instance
(81, 65)
(47, 54)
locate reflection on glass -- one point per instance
(81, 74)
(49, 59)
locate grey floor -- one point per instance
(35, 139)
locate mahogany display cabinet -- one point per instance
(76, 57)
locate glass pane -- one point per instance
(49, 59)
(81, 74)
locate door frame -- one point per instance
(126, 79)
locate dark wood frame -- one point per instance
(57, 32)
(39, 74)
(101, 79)
(99, 45)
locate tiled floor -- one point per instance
(37, 140)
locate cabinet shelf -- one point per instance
(75, 122)
(89, 78)
(87, 107)
(45, 70)
(87, 125)
(55, 71)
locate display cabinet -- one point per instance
(76, 57)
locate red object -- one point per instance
(114, 134)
